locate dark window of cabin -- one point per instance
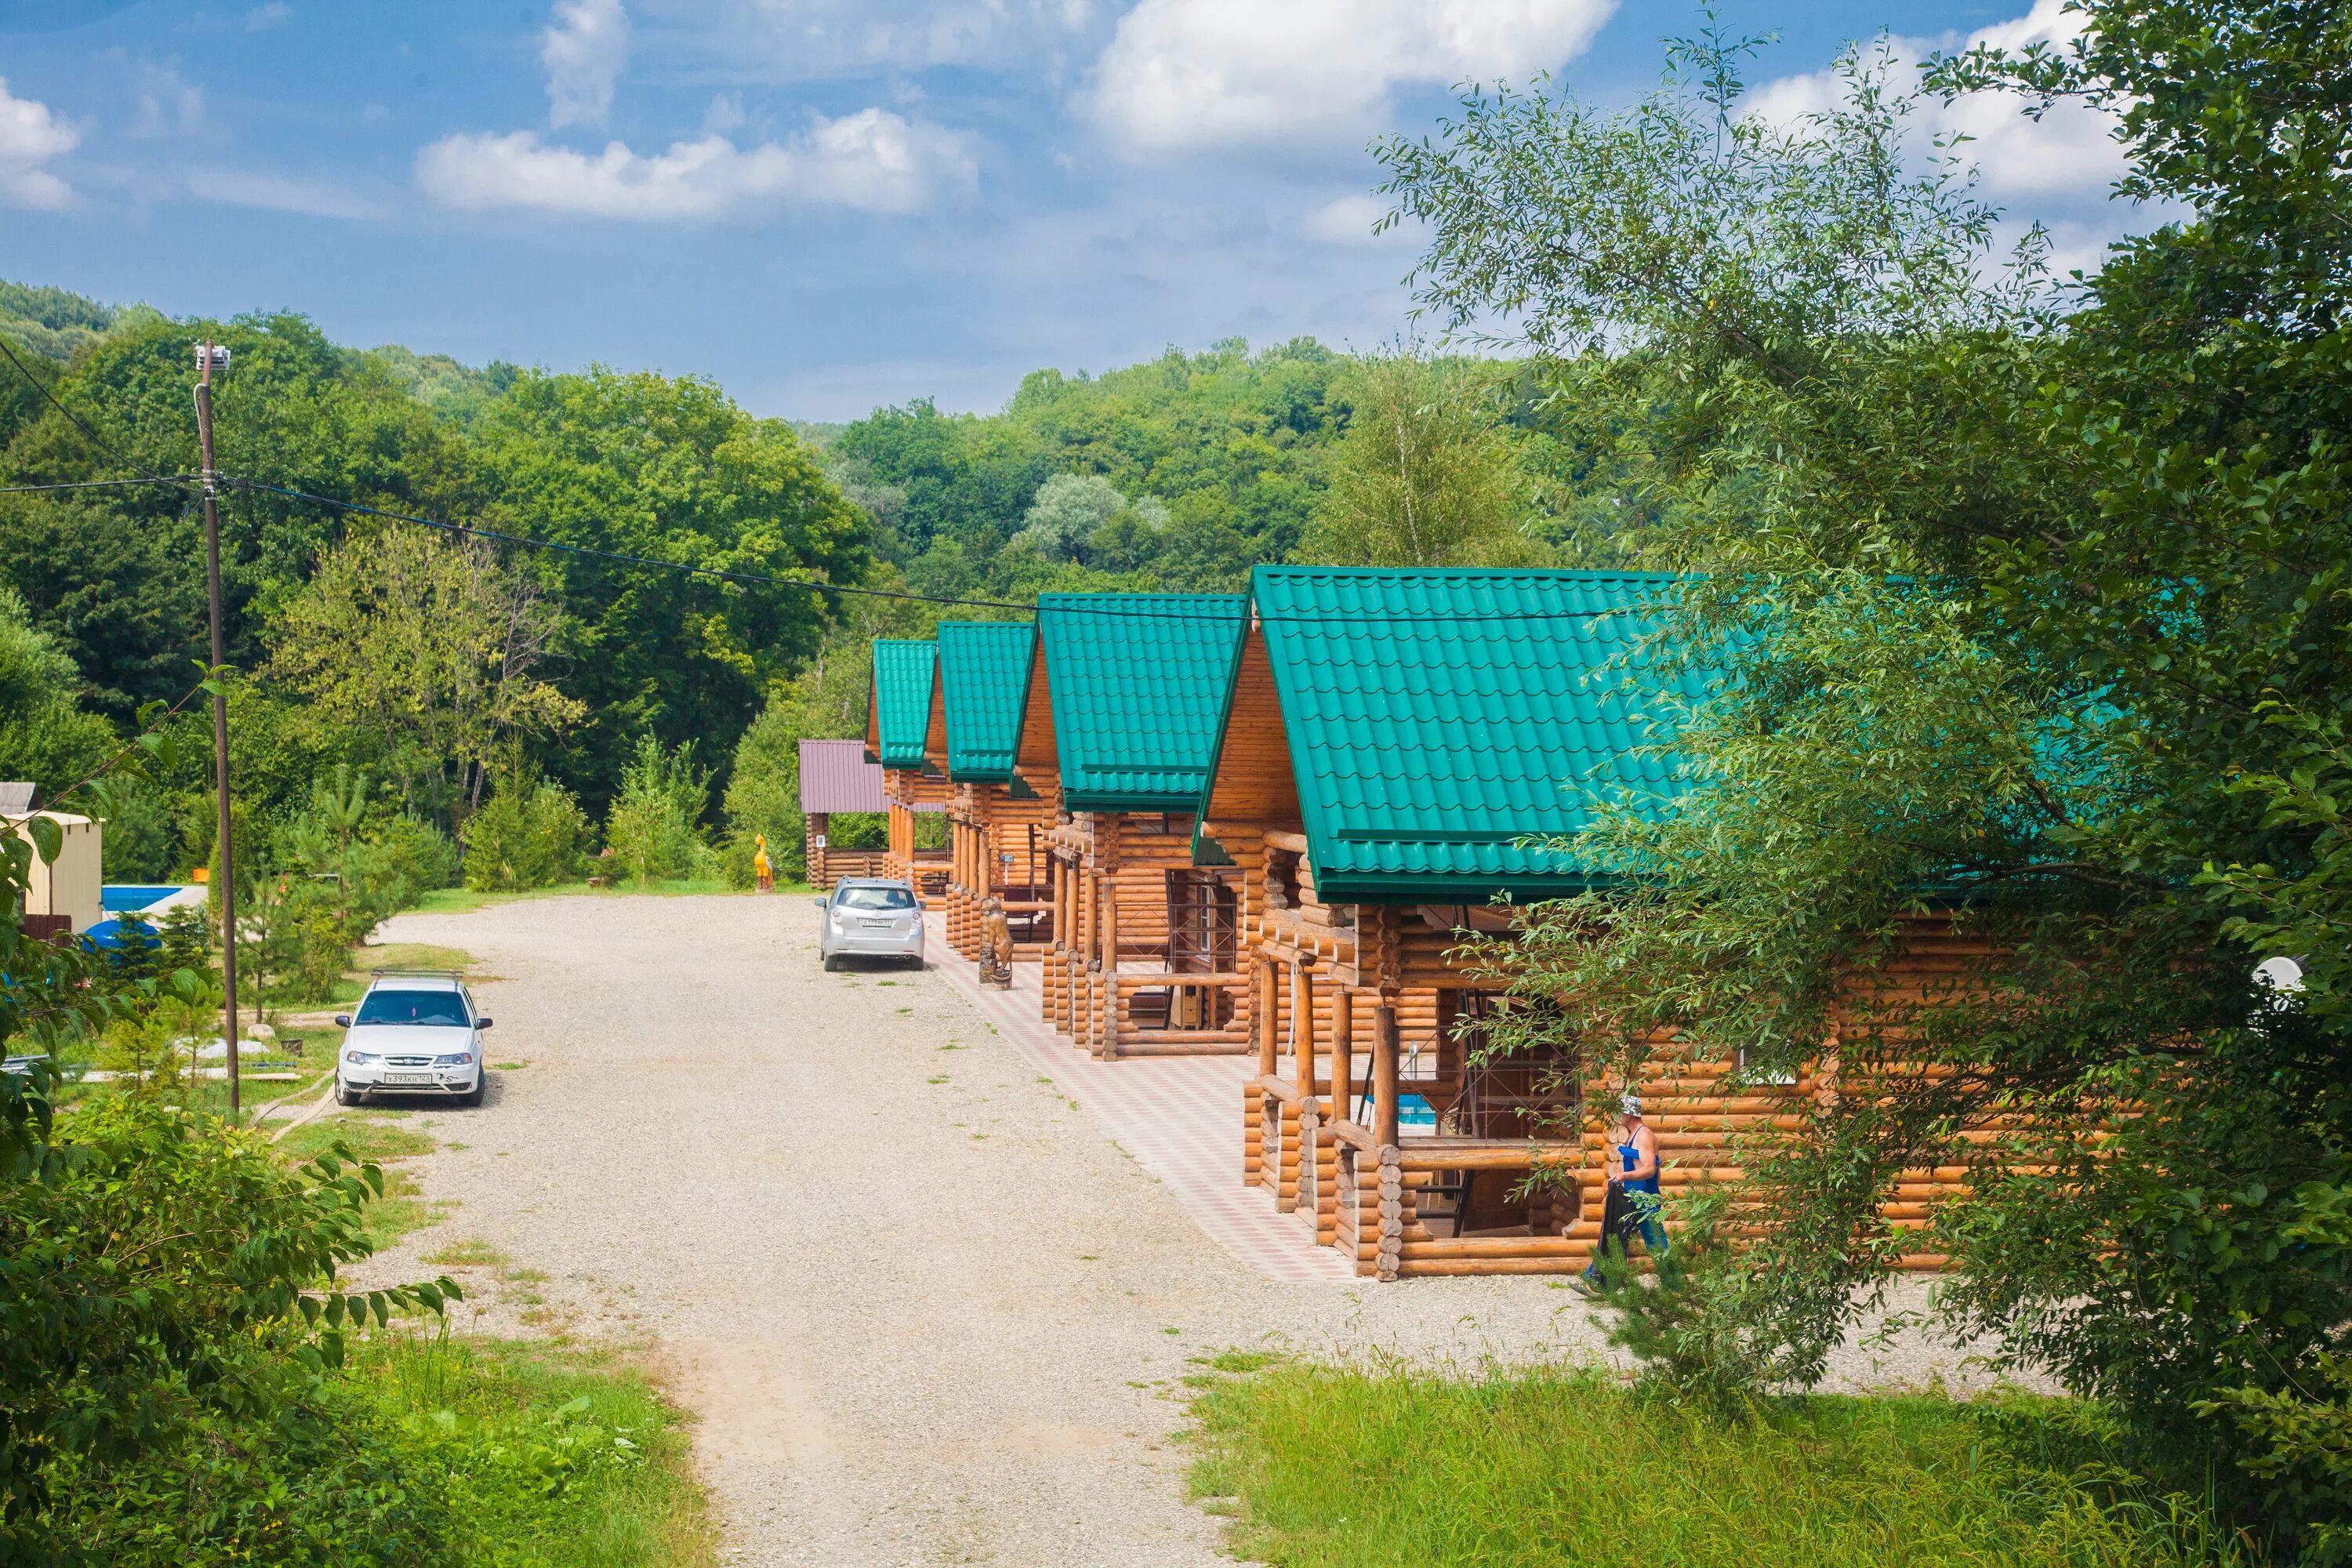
(1282, 879)
(1528, 1093)
(1203, 923)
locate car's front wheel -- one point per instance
(346, 1094)
(473, 1096)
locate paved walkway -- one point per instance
(1179, 1117)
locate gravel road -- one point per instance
(923, 1311)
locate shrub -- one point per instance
(651, 828)
(531, 833)
(163, 1396)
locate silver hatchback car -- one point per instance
(868, 917)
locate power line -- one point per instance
(88, 485)
(814, 586)
(149, 474)
(721, 575)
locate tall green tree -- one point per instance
(671, 472)
(2035, 620)
(1427, 474)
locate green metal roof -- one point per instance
(1437, 719)
(902, 700)
(984, 693)
(1139, 683)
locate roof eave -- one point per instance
(1115, 800)
(1378, 887)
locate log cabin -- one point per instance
(1143, 958)
(1000, 812)
(897, 716)
(835, 777)
(1401, 758)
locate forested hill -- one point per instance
(1200, 464)
(437, 666)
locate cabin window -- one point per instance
(1204, 924)
(1763, 1074)
(1281, 878)
(1532, 1092)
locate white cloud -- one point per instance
(1191, 73)
(166, 105)
(30, 135)
(873, 161)
(2066, 157)
(1347, 220)
(798, 38)
(261, 18)
(585, 48)
(280, 192)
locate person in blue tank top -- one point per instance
(1635, 1201)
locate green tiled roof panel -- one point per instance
(983, 691)
(1139, 683)
(1437, 719)
(902, 698)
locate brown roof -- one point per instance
(835, 776)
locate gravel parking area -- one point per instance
(924, 1311)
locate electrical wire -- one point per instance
(814, 586)
(108, 447)
(721, 575)
(88, 485)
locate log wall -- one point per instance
(1110, 896)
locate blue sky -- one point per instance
(827, 205)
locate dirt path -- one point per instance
(925, 1312)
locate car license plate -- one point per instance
(409, 1077)
(876, 925)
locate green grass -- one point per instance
(461, 901)
(1382, 1466)
(379, 1136)
(412, 955)
(554, 1459)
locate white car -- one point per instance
(866, 917)
(413, 1033)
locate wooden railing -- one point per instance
(1136, 1028)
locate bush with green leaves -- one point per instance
(530, 833)
(653, 829)
(168, 1317)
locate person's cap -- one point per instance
(1632, 1103)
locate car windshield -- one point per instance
(877, 898)
(445, 1008)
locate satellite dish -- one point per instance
(2280, 977)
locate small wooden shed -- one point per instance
(1000, 810)
(897, 714)
(1145, 955)
(835, 777)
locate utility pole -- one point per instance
(208, 358)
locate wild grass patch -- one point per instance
(1376, 1466)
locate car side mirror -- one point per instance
(342, 1020)
(821, 903)
(483, 1023)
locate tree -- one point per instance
(45, 737)
(1426, 475)
(429, 646)
(2040, 628)
(670, 470)
(653, 827)
(1077, 517)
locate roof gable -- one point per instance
(984, 691)
(1437, 719)
(1137, 681)
(900, 708)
